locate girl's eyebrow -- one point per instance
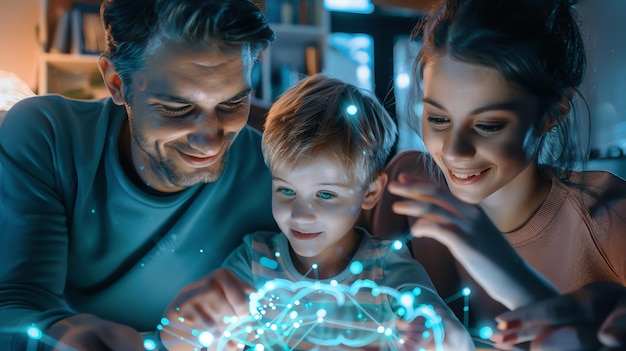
(499, 106)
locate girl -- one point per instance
(498, 82)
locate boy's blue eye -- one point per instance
(324, 195)
(287, 192)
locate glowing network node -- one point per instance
(149, 344)
(466, 291)
(165, 321)
(352, 109)
(485, 332)
(34, 333)
(206, 338)
(356, 267)
(269, 263)
(397, 245)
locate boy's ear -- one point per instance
(375, 191)
(112, 80)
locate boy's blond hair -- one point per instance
(320, 115)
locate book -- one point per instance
(87, 32)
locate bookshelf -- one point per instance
(67, 65)
(301, 27)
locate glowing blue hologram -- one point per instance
(397, 245)
(466, 291)
(307, 315)
(34, 333)
(352, 109)
(485, 333)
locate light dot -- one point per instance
(93, 210)
(351, 110)
(321, 313)
(397, 245)
(206, 338)
(417, 291)
(466, 291)
(485, 333)
(149, 344)
(426, 334)
(165, 321)
(181, 319)
(356, 267)
(407, 299)
(34, 332)
(380, 329)
(293, 314)
(314, 266)
(201, 250)
(277, 254)
(259, 347)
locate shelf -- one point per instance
(71, 75)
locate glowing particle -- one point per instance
(149, 344)
(259, 347)
(165, 321)
(296, 325)
(201, 250)
(314, 266)
(142, 264)
(333, 283)
(417, 291)
(195, 332)
(206, 338)
(227, 334)
(356, 267)
(397, 245)
(321, 312)
(466, 291)
(485, 333)
(465, 308)
(426, 334)
(34, 332)
(268, 263)
(181, 319)
(407, 299)
(380, 329)
(277, 254)
(93, 210)
(388, 331)
(352, 109)
(260, 331)
(293, 314)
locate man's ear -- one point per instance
(375, 191)
(112, 80)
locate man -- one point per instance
(108, 208)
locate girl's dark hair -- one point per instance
(535, 44)
(131, 24)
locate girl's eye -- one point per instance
(176, 111)
(439, 123)
(490, 128)
(325, 195)
(286, 192)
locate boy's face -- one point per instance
(188, 105)
(316, 207)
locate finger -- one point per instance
(613, 331)
(516, 336)
(426, 192)
(555, 311)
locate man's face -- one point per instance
(188, 105)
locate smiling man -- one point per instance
(108, 208)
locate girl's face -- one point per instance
(479, 129)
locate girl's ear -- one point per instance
(563, 106)
(112, 80)
(374, 191)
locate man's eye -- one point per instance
(325, 195)
(490, 128)
(176, 111)
(233, 106)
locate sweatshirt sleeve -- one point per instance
(33, 225)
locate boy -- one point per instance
(326, 143)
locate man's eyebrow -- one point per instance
(507, 105)
(180, 100)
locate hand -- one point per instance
(201, 307)
(590, 317)
(455, 337)
(86, 332)
(473, 239)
